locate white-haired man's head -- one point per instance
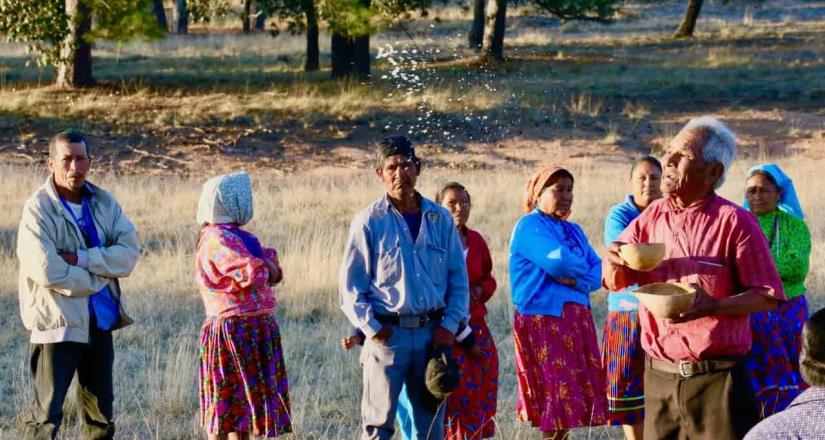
(720, 142)
(698, 159)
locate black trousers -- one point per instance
(716, 406)
(53, 366)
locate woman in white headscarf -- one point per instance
(243, 384)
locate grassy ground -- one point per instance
(306, 219)
(223, 99)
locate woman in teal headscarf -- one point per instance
(774, 362)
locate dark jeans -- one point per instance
(53, 366)
(720, 405)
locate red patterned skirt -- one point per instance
(559, 371)
(243, 385)
(471, 408)
(624, 366)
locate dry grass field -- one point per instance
(306, 219)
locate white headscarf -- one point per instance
(226, 199)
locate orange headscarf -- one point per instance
(537, 183)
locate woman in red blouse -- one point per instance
(471, 408)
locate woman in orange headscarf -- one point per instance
(553, 269)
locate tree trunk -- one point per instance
(160, 14)
(350, 56)
(260, 18)
(361, 56)
(74, 69)
(689, 22)
(247, 13)
(312, 62)
(341, 54)
(182, 17)
(476, 36)
(492, 49)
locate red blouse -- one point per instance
(480, 273)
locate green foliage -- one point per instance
(206, 10)
(596, 10)
(42, 24)
(351, 18)
(354, 18)
(123, 20)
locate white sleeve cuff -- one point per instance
(464, 333)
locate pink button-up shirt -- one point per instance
(715, 244)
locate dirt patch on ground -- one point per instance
(569, 92)
(763, 134)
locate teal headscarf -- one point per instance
(788, 200)
(226, 199)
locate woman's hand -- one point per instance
(275, 273)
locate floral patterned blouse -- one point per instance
(231, 280)
(790, 242)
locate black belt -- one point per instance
(411, 321)
(688, 369)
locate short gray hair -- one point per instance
(720, 142)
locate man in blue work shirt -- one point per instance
(403, 283)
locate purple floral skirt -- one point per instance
(243, 384)
(773, 364)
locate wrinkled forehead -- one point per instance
(65, 149)
(760, 180)
(689, 139)
(398, 159)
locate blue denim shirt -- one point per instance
(384, 272)
(614, 224)
(542, 248)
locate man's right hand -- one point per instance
(382, 336)
(69, 257)
(612, 254)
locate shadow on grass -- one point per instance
(557, 91)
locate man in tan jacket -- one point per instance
(74, 242)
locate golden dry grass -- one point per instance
(306, 219)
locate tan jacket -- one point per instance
(54, 295)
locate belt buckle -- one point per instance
(409, 321)
(682, 372)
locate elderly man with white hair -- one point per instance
(695, 382)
